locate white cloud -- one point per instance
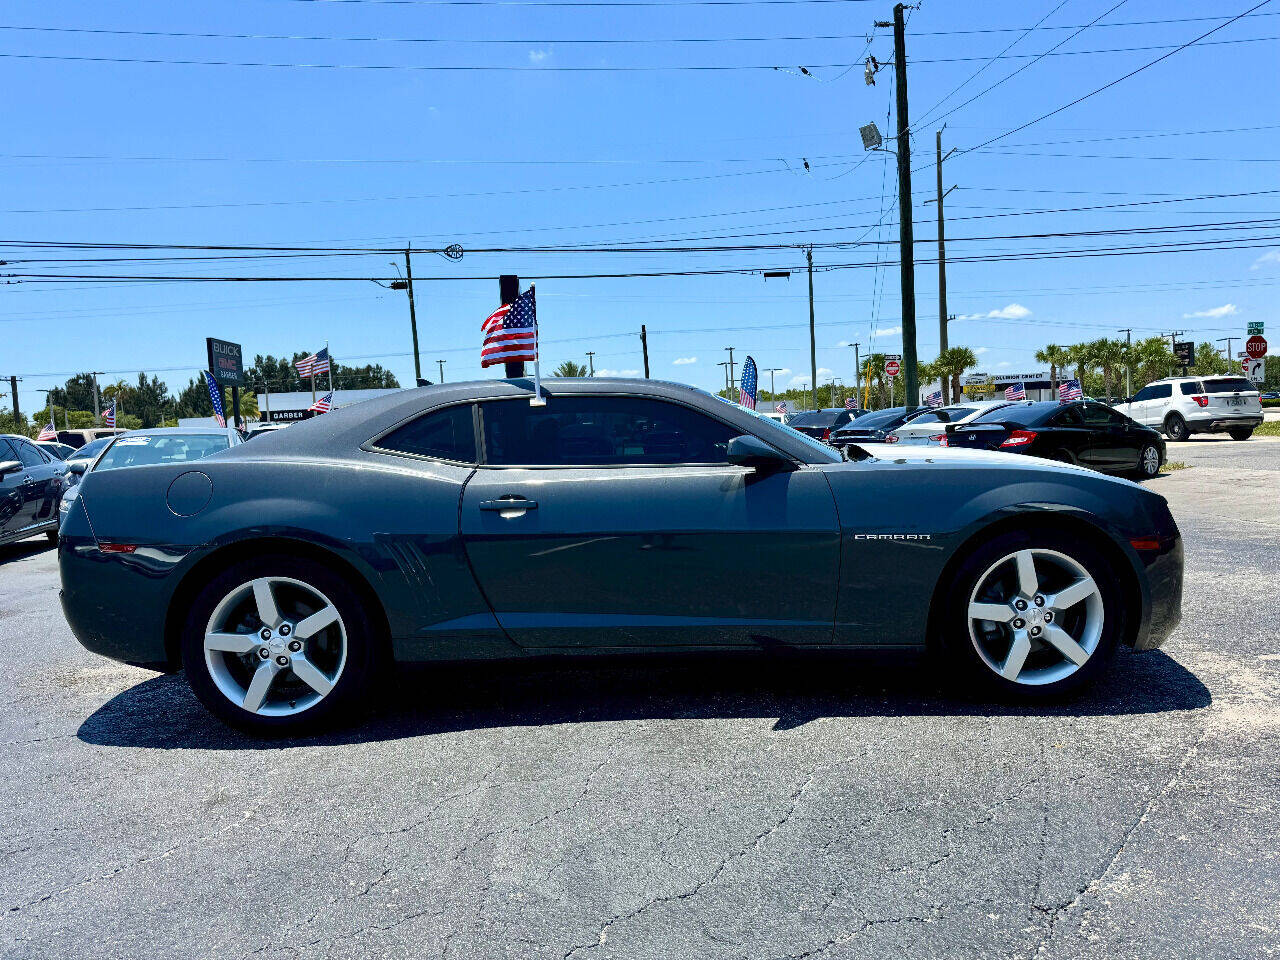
(979, 351)
(537, 56)
(1014, 311)
(1004, 363)
(682, 361)
(1226, 310)
(799, 382)
(617, 373)
(783, 372)
(1272, 256)
(887, 331)
(824, 373)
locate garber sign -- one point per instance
(226, 362)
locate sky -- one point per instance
(329, 122)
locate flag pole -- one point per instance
(330, 356)
(538, 400)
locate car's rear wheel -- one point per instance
(1241, 433)
(1148, 461)
(1175, 428)
(278, 645)
(1034, 615)
(51, 536)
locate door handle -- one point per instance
(28, 480)
(511, 504)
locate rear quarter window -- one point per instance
(447, 434)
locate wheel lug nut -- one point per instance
(282, 660)
(1020, 604)
(265, 633)
(1048, 617)
(295, 645)
(264, 653)
(1019, 624)
(285, 630)
(1035, 631)
(1039, 601)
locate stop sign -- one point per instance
(1256, 347)
(892, 367)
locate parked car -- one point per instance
(60, 450)
(1270, 395)
(31, 482)
(821, 424)
(263, 428)
(139, 447)
(78, 438)
(1090, 434)
(929, 429)
(1181, 406)
(459, 521)
(874, 426)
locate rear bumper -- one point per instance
(1220, 424)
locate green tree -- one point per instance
(952, 363)
(570, 369)
(1209, 361)
(1109, 355)
(76, 394)
(1057, 358)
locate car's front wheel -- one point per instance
(1032, 615)
(278, 645)
(1148, 461)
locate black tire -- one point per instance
(1175, 428)
(1145, 471)
(51, 536)
(1241, 433)
(958, 648)
(358, 673)
(1062, 456)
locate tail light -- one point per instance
(1201, 401)
(826, 434)
(940, 439)
(892, 438)
(1019, 438)
(117, 547)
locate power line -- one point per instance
(1118, 23)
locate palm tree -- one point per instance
(874, 370)
(952, 362)
(1153, 358)
(1057, 358)
(1107, 354)
(570, 369)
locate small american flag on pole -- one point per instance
(1015, 391)
(1070, 390)
(215, 396)
(747, 391)
(933, 399)
(511, 332)
(48, 432)
(323, 405)
(109, 416)
(781, 407)
(850, 403)
(316, 363)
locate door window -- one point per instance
(1069, 417)
(1096, 415)
(599, 431)
(447, 434)
(7, 452)
(1160, 391)
(28, 454)
(1146, 393)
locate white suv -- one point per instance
(1181, 406)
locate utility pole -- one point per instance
(1128, 360)
(942, 266)
(644, 348)
(591, 361)
(857, 370)
(49, 405)
(725, 364)
(266, 399)
(771, 371)
(1173, 336)
(413, 317)
(906, 242)
(1230, 340)
(732, 379)
(17, 412)
(813, 347)
(441, 363)
(97, 404)
(834, 381)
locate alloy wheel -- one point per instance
(1035, 617)
(275, 646)
(1150, 460)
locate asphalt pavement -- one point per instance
(700, 808)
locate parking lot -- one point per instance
(751, 807)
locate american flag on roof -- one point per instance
(48, 432)
(747, 390)
(1015, 391)
(215, 395)
(933, 399)
(323, 405)
(109, 416)
(511, 332)
(1070, 390)
(316, 363)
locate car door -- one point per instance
(40, 482)
(1136, 407)
(1069, 437)
(13, 493)
(615, 521)
(1111, 447)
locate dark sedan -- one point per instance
(1090, 434)
(821, 424)
(874, 426)
(462, 521)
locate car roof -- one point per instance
(176, 431)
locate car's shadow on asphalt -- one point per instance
(162, 713)
(24, 549)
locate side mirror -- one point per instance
(79, 467)
(9, 466)
(749, 451)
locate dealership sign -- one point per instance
(226, 362)
(1185, 352)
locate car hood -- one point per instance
(969, 459)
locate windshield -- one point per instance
(92, 448)
(877, 418)
(946, 415)
(137, 451)
(768, 424)
(817, 418)
(1230, 385)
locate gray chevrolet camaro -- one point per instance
(464, 521)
